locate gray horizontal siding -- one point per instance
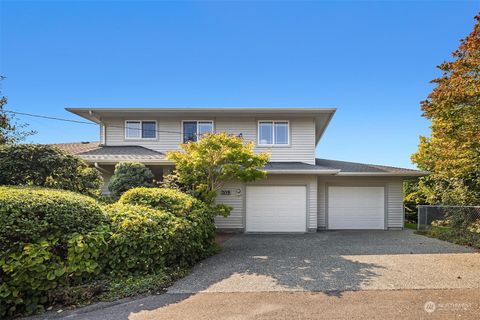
(301, 148)
(393, 191)
(236, 219)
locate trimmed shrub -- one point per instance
(200, 217)
(47, 166)
(31, 272)
(130, 175)
(144, 239)
(48, 238)
(28, 215)
(177, 203)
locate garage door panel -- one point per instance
(276, 208)
(356, 208)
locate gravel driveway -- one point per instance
(334, 261)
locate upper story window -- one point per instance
(140, 129)
(273, 132)
(193, 130)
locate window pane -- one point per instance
(281, 132)
(149, 129)
(189, 131)
(133, 129)
(265, 133)
(204, 127)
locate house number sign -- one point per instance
(231, 192)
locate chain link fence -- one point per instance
(459, 224)
(447, 216)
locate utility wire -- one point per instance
(85, 122)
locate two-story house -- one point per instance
(301, 193)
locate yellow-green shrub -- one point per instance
(200, 227)
(170, 200)
(48, 238)
(144, 239)
(30, 214)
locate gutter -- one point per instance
(383, 174)
(300, 171)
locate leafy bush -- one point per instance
(28, 274)
(28, 215)
(201, 227)
(47, 166)
(129, 175)
(144, 239)
(47, 238)
(173, 201)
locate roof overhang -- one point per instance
(115, 161)
(322, 116)
(383, 174)
(314, 172)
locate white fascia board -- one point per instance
(383, 174)
(319, 172)
(115, 161)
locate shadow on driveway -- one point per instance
(315, 262)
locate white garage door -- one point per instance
(276, 209)
(356, 208)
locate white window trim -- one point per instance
(140, 138)
(273, 134)
(197, 134)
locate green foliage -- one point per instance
(31, 272)
(47, 166)
(61, 247)
(10, 130)
(170, 200)
(197, 220)
(452, 152)
(203, 167)
(130, 175)
(86, 253)
(412, 198)
(452, 235)
(30, 214)
(144, 239)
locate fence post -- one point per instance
(426, 217)
(418, 217)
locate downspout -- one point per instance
(97, 166)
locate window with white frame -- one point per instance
(194, 129)
(140, 129)
(273, 132)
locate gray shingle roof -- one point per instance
(121, 153)
(296, 166)
(93, 152)
(77, 147)
(364, 168)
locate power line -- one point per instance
(85, 122)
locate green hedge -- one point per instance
(28, 215)
(201, 226)
(143, 239)
(170, 200)
(51, 240)
(48, 238)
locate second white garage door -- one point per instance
(356, 208)
(276, 208)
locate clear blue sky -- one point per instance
(371, 60)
